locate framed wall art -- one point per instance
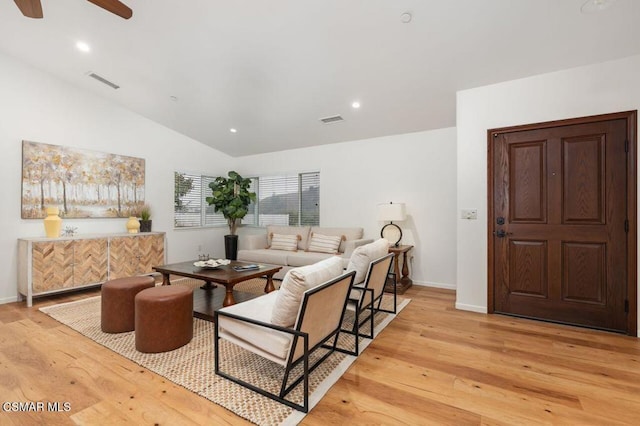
(81, 183)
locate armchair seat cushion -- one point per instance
(271, 344)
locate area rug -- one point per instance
(192, 366)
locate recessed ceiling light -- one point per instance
(173, 98)
(83, 47)
(595, 6)
(355, 105)
(406, 17)
(232, 130)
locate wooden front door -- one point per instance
(562, 199)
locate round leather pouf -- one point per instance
(117, 312)
(163, 318)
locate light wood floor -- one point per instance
(432, 365)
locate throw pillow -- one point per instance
(296, 282)
(284, 242)
(324, 243)
(362, 256)
(301, 231)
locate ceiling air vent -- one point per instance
(103, 80)
(332, 119)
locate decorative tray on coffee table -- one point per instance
(211, 263)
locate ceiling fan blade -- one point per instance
(113, 6)
(30, 8)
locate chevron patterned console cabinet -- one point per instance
(52, 265)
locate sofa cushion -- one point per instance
(362, 256)
(304, 258)
(274, 257)
(284, 242)
(302, 231)
(296, 282)
(321, 243)
(348, 233)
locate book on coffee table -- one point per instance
(241, 268)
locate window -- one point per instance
(281, 200)
(288, 200)
(190, 205)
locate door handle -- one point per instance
(501, 233)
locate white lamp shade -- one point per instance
(392, 212)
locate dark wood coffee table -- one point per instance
(224, 275)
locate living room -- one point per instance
(435, 172)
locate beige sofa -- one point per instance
(253, 248)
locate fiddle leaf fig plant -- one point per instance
(231, 197)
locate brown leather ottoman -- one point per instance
(164, 318)
(118, 302)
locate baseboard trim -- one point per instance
(435, 285)
(9, 300)
(471, 308)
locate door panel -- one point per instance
(527, 271)
(561, 254)
(583, 277)
(52, 265)
(528, 190)
(90, 261)
(583, 186)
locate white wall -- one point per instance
(37, 107)
(418, 169)
(589, 90)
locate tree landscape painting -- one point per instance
(81, 183)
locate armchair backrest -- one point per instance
(377, 276)
(322, 311)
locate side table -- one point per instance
(402, 282)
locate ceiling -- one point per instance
(271, 69)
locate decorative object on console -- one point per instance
(133, 225)
(69, 231)
(231, 197)
(391, 212)
(145, 218)
(52, 223)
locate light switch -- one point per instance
(469, 214)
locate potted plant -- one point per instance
(231, 197)
(145, 218)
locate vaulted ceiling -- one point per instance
(271, 69)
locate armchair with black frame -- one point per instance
(367, 296)
(319, 320)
